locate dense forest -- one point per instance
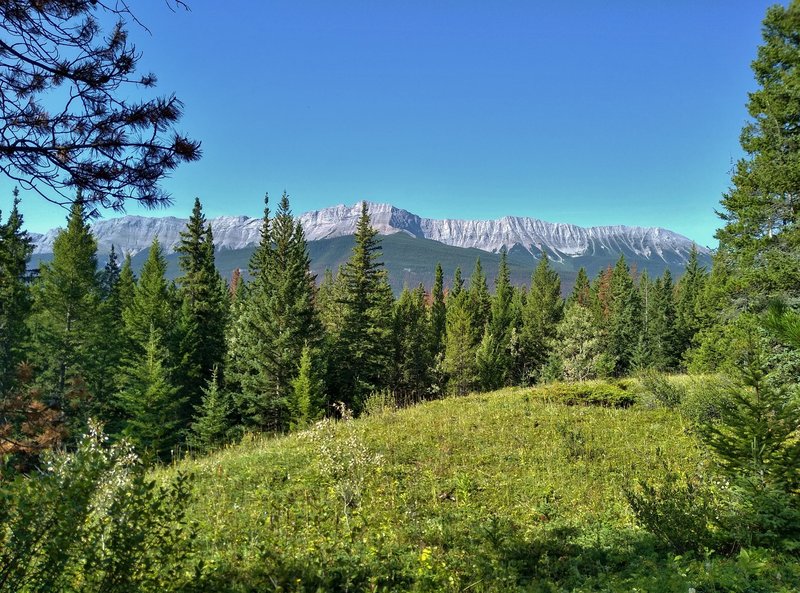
(197, 362)
(107, 378)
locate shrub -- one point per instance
(590, 393)
(658, 387)
(92, 521)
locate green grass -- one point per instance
(492, 492)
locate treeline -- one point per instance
(200, 360)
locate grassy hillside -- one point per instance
(506, 491)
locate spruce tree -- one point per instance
(760, 236)
(458, 283)
(203, 312)
(126, 287)
(624, 317)
(307, 402)
(68, 330)
(664, 338)
(479, 300)
(460, 346)
(543, 310)
(151, 308)
(273, 323)
(438, 314)
(581, 291)
(689, 292)
(578, 345)
(213, 426)
(149, 399)
(15, 252)
(413, 355)
(363, 357)
(497, 347)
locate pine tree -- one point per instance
(581, 292)
(458, 283)
(363, 358)
(203, 314)
(15, 251)
(438, 314)
(543, 310)
(67, 323)
(307, 402)
(126, 287)
(412, 351)
(663, 332)
(501, 322)
(578, 345)
(623, 319)
(479, 301)
(760, 237)
(212, 426)
(275, 321)
(149, 399)
(460, 346)
(151, 306)
(689, 292)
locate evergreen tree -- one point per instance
(497, 348)
(664, 339)
(479, 301)
(151, 306)
(126, 287)
(212, 426)
(438, 314)
(458, 283)
(543, 310)
(578, 345)
(363, 358)
(15, 251)
(308, 399)
(203, 307)
(412, 337)
(689, 292)
(150, 401)
(275, 321)
(68, 331)
(460, 346)
(491, 361)
(581, 292)
(760, 238)
(623, 319)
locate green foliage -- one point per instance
(679, 510)
(663, 392)
(413, 356)
(213, 425)
(92, 521)
(15, 251)
(760, 234)
(272, 324)
(438, 314)
(150, 401)
(362, 359)
(622, 325)
(203, 309)
(459, 361)
(578, 344)
(540, 317)
(588, 393)
(68, 330)
(308, 399)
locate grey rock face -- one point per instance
(135, 233)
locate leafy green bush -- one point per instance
(658, 387)
(589, 393)
(93, 521)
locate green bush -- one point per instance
(93, 521)
(658, 388)
(589, 393)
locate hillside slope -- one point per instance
(495, 492)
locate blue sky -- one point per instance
(620, 112)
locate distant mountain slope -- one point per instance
(560, 241)
(412, 245)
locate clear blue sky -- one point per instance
(617, 112)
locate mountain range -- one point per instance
(412, 245)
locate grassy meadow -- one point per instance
(506, 491)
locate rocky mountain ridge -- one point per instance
(134, 234)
